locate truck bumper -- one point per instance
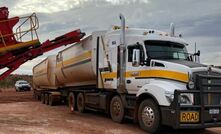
(171, 117)
(204, 112)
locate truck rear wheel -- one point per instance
(71, 102)
(117, 109)
(149, 116)
(81, 102)
(42, 98)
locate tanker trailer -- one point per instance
(141, 74)
(74, 66)
(57, 75)
(44, 79)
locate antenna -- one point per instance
(195, 52)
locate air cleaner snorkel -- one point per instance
(172, 30)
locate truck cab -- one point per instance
(142, 74)
(166, 80)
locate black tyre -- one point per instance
(149, 116)
(81, 103)
(51, 100)
(42, 98)
(46, 99)
(117, 109)
(71, 102)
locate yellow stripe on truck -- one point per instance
(151, 74)
(109, 75)
(75, 59)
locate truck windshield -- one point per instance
(165, 50)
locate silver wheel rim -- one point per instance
(116, 108)
(148, 116)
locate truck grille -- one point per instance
(209, 99)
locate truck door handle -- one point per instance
(128, 81)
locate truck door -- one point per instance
(134, 78)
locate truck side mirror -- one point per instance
(136, 58)
(198, 53)
(197, 56)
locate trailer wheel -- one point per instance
(51, 100)
(46, 99)
(149, 116)
(42, 98)
(117, 109)
(81, 102)
(71, 102)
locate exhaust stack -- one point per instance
(122, 54)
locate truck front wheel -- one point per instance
(149, 116)
(71, 102)
(117, 109)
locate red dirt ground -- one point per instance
(21, 114)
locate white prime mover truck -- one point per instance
(141, 74)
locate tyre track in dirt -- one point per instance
(21, 114)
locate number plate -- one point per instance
(191, 117)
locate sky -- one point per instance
(197, 20)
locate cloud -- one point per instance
(197, 21)
(49, 6)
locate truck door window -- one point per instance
(130, 52)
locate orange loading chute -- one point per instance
(25, 33)
(23, 44)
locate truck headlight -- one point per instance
(186, 99)
(169, 96)
(190, 85)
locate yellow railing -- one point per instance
(27, 25)
(34, 25)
